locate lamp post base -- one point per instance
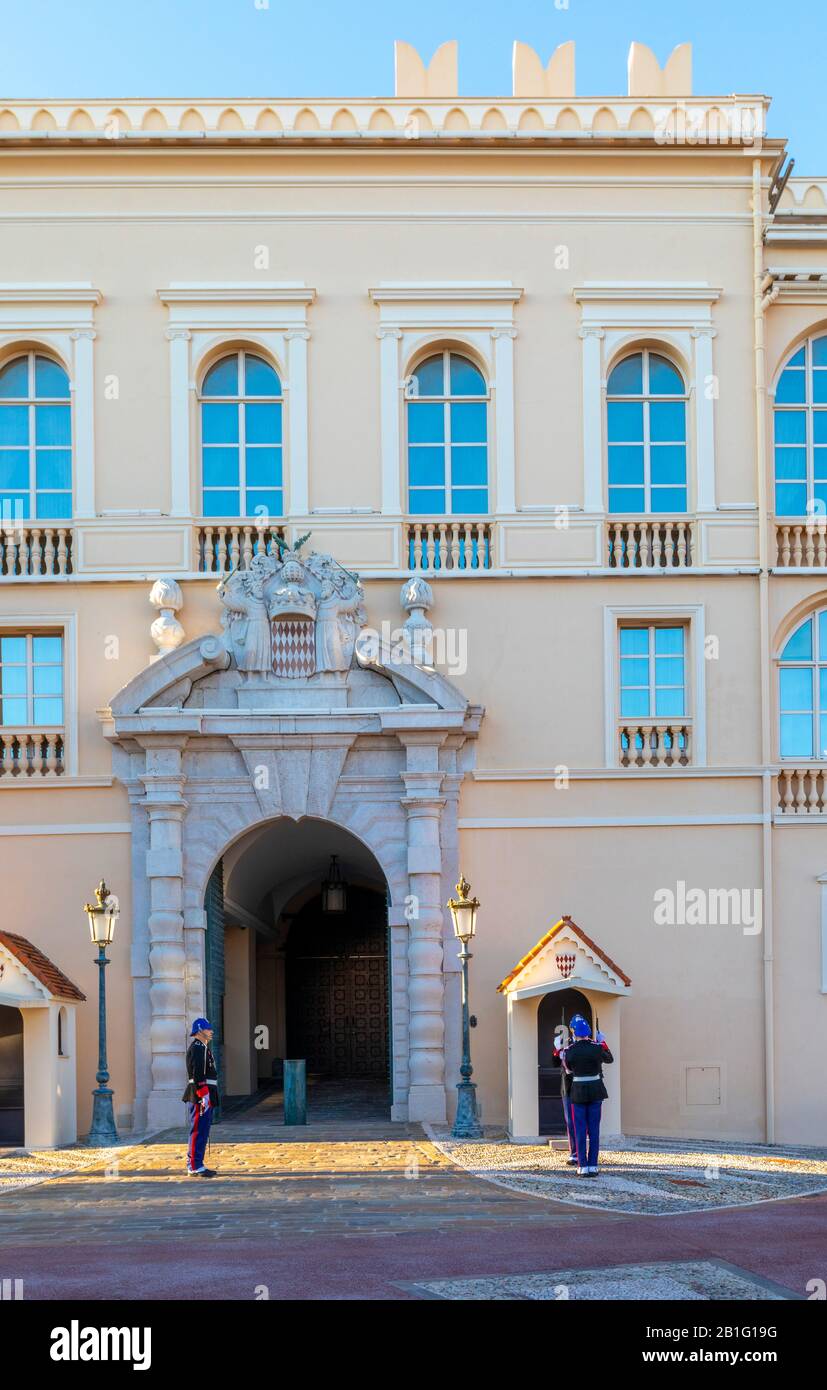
(102, 1132)
(467, 1124)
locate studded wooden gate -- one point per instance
(337, 989)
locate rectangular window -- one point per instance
(652, 679)
(31, 680)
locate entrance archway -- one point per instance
(285, 978)
(553, 1018)
(12, 1111)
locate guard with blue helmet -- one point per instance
(201, 1096)
(585, 1059)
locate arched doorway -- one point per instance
(553, 1017)
(286, 979)
(12, 1112)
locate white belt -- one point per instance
(584, 1078)
(202, 1083)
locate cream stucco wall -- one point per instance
(135, 221)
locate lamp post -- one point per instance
(464, 917)
(103, 915)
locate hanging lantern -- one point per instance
(334, 889)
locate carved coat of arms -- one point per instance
(292, 616)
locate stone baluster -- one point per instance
(783, 544)
(23, 551)
(785, 790)
(222, 550)
(7, 766)
(809, 546)
(812, 791)
(800, 795)
(423, 806)
(247, 546)
(166, 807)
(683, 544)
(455, 544)
(645, 732)
(797, 547)
(62, 551)
(663, 753)
(49, 552)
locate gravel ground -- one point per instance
(652, 1177)
(24, 1169)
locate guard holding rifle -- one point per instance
(585, 1060)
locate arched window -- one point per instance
(802, 683)
(801, 432)
(35, 440)
(241, 438)
(646, 414)
(447, 401)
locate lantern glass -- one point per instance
(464, 911)
(103, 916)
(334, 889)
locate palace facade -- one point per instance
(440, 484)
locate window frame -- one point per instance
(814, 665)
(692, 617)
(32, 401)
(241, 400)
(30, 725)
(650, 628)
(646, 398)
(809, 407)
(446, 399)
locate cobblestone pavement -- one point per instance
(648, 1177)
(348, 1207)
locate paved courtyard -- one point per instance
(353, 1207)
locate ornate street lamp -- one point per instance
(464, 917)
(334, 889)
(103, 916)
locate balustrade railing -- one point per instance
(801, 545)
(226, 545)
(802, 791)
(29, 753)
(30, 551)
(451, 544)
(655, 543)
(655, 743)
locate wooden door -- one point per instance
(337, 990)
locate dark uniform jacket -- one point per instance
(586, 1059)
(201, 1069)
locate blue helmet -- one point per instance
(580, 1026)
(199, 1025)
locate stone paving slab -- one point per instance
(685, 1280)
(653, 1178)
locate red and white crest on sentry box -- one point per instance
(565, 964)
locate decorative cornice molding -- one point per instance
(661, 291)
(69, 292)
(238, 292)
(460, 291)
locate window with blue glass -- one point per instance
(31, 680)
(447, 404)
(35, 441)
(646, 427)
(241, 439)
(801, 432)
(802, 682)
(652, 672)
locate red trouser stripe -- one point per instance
(194, 1135)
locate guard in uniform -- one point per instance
(201, 1096)
(585, 1060)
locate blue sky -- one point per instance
(200, 48)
